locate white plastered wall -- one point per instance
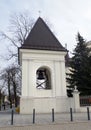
(31, 61)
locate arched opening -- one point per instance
(43, 78)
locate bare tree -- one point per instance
(15, 82)
(11, 79)
(20, 26)
(5, 77)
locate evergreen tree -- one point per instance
(80, 68)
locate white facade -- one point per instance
(43, 100)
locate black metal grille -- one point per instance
(85, 100)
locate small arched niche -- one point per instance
(43, 78)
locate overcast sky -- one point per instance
(66, 16)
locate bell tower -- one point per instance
(42, 58)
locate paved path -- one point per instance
(44, 122)
(62, 126)
(20, 119)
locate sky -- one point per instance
(67, 17)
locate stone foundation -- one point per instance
(45, 105)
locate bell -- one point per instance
(40, 75)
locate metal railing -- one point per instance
(85, 100)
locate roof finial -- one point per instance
(66, 45)
(39, 13)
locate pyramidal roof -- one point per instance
(41, 38)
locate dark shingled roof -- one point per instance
(41, 38)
